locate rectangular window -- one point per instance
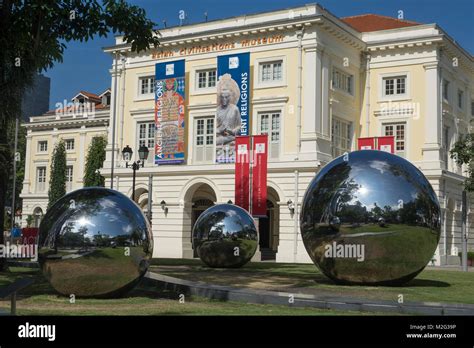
(394, 86)
(69, 178)
(40, 179)
(69, 144)
(446, 90)
(472, 108)
(342, 81)
(147, 85)
(204, 140)
(270, 124)
(146, 137)
(42, 146)
(460, 99)
(398, 131)
(206, 78)
(341, 137)
(271, 71)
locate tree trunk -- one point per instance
(4, 178)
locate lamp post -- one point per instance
(127, 156)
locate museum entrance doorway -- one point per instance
(199, 206)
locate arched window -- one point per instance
(37, 216)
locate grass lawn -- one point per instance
(429, 286)
(40, 299)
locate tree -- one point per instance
(94, 161)
(29, 220)
(463, 153)
(33, 37)
(57, 180)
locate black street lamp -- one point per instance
(127, 156)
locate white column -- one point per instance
(309, 114)
(113, 109)
(325, 95)
(318, 99)
(432, 145)
(82, 155)
(309, 92)
(322, 105)
(28, 159)
(55, 135)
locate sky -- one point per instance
(86, 67)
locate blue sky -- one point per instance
(86, 67)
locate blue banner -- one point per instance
(169, 112)
(233, 103)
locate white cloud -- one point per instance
(381, 166)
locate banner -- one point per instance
(386, 143)
(169, 112)
(242, 172)
(233, 103)
(259, 175)
(366, 143)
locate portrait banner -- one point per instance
(259, 175)
(233, 103)
(169, 112)
(242, 172)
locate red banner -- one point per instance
(366, 144)
(386, 143)
(29, 235)
(259, 175)
(242, 171)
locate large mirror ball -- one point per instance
(94, 242)
(370, 217)
(225, 236)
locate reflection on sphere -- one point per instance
(94, 242)
(225, 236)
(371, 219)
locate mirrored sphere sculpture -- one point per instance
(94, 242)
(370, 217)
(225, 236)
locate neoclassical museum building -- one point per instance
(316, 84)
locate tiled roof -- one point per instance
(373, 22)
(94, 98)
(90, 95)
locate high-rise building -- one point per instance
(36, 98)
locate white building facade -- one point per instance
(318, 83)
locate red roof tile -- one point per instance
(90, 95)
(373, 22)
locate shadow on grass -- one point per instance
(286, 276)
(41, 287)
(426, 283)
(322, 280)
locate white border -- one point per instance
(397, 97)
(138, 96)
(193, 80)
(258, 84)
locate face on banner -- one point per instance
(169, 112)
(232, 104)
(228, 120)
